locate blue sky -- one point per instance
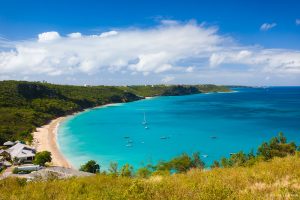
(258, 33)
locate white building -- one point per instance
(21, 153)
(9, 143)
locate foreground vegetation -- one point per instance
(278, 178)
(276, 147)
(27, 105)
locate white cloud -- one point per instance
(190, 69)
(167, 79)
(154, 50)
(184, 49)
(261, 60)
(297, 21)
(266, 26)
(48, 36)
(107, 34)
(75, 35)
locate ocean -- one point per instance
(214, 124)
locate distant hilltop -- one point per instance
(27, 105)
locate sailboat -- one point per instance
(145, 121)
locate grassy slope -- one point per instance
(277, 179)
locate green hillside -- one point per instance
(27, 105)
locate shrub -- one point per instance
(17, 171)
(42, 157)
(113, 169)
(127, 170)
(143, 172)
(277, 147)
(91, 166)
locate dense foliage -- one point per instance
(41, 158)
(277, 147)
(91, 166)
(173, 90)
(27, 105)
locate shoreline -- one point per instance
(45, 138)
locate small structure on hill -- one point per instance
(8, 144)
(21, 153)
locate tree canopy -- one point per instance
(41, 158)
(91, 166)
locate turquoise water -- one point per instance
(239, 121)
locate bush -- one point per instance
(17, 171)
(113, 169)
(277, 147)
(91, 166)
(143, 172)
(42, 157)
(127, 170)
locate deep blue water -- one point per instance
(239, 121)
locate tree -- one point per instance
(251, 155)
(282, 138)
(215, 164)
(42, 157)
(91, 166)
(163, 166)
(238, 159)
(127, 170)
(277, 147)
(264, 151)
(225, 162)
(197, 162)
(181, 163)
(143, 172)
(113, 169)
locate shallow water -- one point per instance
(239, 121)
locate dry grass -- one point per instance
(277, 179)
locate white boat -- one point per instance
(145, 121)
(204, 156)
(128, 145)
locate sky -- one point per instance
(151, 42)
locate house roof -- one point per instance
(21, 151)
(8, 143)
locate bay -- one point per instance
(214, 124)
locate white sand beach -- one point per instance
(45, 139)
